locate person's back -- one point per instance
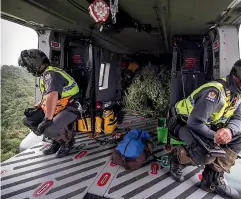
(212, 104)
(213, 112)
(56, 79)
(57, 109)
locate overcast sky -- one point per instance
(14, 39)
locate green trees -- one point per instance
(17, 93)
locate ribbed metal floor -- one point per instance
(88, 169)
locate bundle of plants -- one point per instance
(148, 95)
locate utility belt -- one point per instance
(61, 104)
(174, 124)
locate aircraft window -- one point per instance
(104, 76)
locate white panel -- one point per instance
(229, 48)
(104, 76)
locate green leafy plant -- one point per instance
(17, 93)
(148, 95)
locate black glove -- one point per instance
(28, 112)
(44, 124)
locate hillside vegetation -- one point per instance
(17, 93)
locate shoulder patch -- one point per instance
(212, 96)
(47, 76)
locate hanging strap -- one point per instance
(155, 158)
(223, 82)
(92, 89)
(196, 79)
(227, 91)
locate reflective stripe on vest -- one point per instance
(70, 90)
(185, 106)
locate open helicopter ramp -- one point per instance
(89, 173)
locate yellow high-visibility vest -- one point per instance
(185, 106)
(68, 91)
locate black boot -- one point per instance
(175, 167)
(213, 181)
(207, 179)
(52, 148)
(64, 148)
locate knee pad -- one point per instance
(48, 132)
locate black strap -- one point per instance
(150, 153)
(226, 88)
(92, 89)
(223, 82)
(102, 123)
(85, 123)
(168, 140)
(196, 79)
(76, 97)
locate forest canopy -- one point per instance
(17, 93)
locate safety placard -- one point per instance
(54, 44)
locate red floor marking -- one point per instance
(91, 136)
(3, 171)
(126, 123)
(112, 164)
(154, 168)
(81, 154)
(142, 118)
(200, 176)
(168, 148)
(43, 188)
(104, 179)
(44, 147)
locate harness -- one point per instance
(70, 91)
(228, 102)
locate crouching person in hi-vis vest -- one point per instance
(213, 112)
(57, 110)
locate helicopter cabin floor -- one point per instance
(89, 173)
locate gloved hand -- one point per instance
(28, 112)
(44, 124)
